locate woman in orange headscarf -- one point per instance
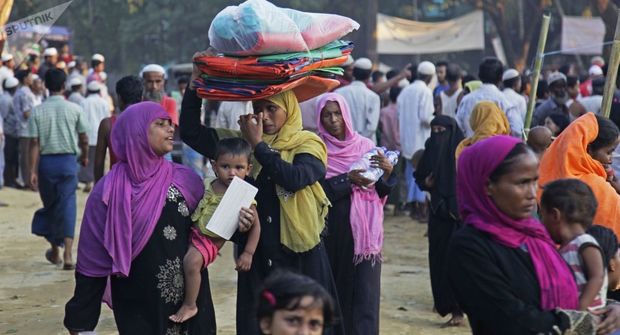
(583, 151)
(486, 120)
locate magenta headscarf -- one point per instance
(475, 165)
(124, 207)
(366, 213)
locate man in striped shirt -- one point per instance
(55, 128)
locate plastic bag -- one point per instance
(257, 27)
(372, 173)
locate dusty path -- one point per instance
(33, 292)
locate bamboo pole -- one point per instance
(542, 40)
(612, 72)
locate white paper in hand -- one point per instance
(225, 219)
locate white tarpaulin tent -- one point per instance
(582, 35)
(397, 36)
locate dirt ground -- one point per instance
(33, 292)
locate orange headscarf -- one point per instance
(486, 120)
(568, 157)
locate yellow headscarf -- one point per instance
(486, 120)
(302, 214)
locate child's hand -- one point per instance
(244, 263)
(246, 219)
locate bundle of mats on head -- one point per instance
(250, 71)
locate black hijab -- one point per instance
(439, 159)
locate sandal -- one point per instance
(48, 256)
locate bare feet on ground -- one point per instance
(185, 313)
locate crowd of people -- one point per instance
(522, 234)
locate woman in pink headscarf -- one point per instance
(135, 233)
(355, 222)
(504, 268)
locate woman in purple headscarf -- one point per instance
(354, 238)
(504, 268)
(135, 233)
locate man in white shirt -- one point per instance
(449, 97)
(365, 105)
(95, 109)
(512, 85)
(490, 73)
(415, 112)
(229, 112)
(75, 86)
(593, 102)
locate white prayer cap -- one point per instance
(75, 81)
(50, 52)
(7, 57)
(93, 86)
(555, 76)
(510, 74)
(103, 75)
(349, 61)
(35, 76)
(363, 64)
(11, 82)
(403, 83)
(426, 68)
(595, 70)
(98, 57)
(153, 68)
(71, 64)
(597, 60)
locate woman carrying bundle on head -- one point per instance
(291, 203)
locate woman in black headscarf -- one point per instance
(436, 173)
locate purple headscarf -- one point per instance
(126, 204)
(475, 165)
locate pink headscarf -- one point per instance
(126, 204)
(475, 165)
(366, 214)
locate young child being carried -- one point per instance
(567, 209)
(232, 159)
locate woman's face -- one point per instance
(332, 120)
(438, 129)
(552, 126)
(514, 193)
(604, 154)
(274, 116)
(303, 320)
(160, 136)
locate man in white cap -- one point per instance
(75, 86)
(556, 103)
(50, 57)
(95, 109)
(490, 73)
(512, 85)
(415, 112)
(98, 65)
(154, 81)
(365, 105)
(9, 121)
(8, 65)
(595, 71)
